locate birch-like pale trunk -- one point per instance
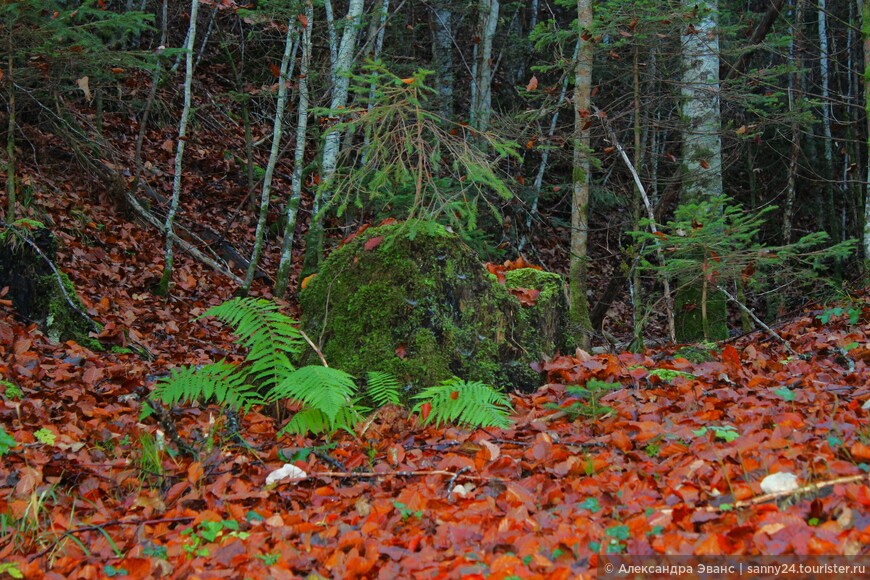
(699, 316)
(828, 139)
(163, 286)
(865, 32)
(274, 154)
(794, 97)
(344, 62)
(282, 278)
(442, 55)
(580, 324)
(377, 31)
(545, 157)
(333, 38)
(481, 101)
(702, 144)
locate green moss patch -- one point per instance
(415, 301)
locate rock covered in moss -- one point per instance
(35, 287)
(413, 300)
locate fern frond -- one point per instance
(220, 381)
(382, 388)
(306, 420)
(268, 334)
(323, 388)
(316, 421)
(470, 403)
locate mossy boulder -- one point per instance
(415, 301)
(35, 289)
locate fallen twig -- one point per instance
(767, 497)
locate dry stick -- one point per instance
(810, 487)
(652, 221)
(314, 346)
(94, 527)
(752, 315)
(181, 243)
(373, 474)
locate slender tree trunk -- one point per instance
(825, 73)
(377, 30)
(794, 97)
(865, 29)
(274, 154)
(10, 135)
(333, 38)
(152, 95)
(341, 81)
(163, 286)
(545, 157)
(581, 325)
(481, 103)
(699, 316)
(442, 55)
(282, 278)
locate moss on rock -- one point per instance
(420, 305)
(37, 294)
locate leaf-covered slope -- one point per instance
(675, 467)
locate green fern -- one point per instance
(311, 420)
(268, 334)
(220, 380)
(469, 403)
(382, 388)
(323, 388)
(329, 399)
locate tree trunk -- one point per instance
(292, 209)
(163, 287)
(481, 89)
(580, 325)
(441, 22)
(698, 314)
(545, 158)
(794, 97)
(274, 154)
(865, 28)
(824, 68)
(341, 81)
(10, 136)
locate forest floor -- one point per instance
(669, 460)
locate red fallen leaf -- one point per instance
(860, 451)
(425, 410)
(497, 271)
(276, 72)
(731, 358)
(303, 20)
(621, 441)
(194, 472)
(388, 221)
(351, 237)
(526, 296)
(533, 84)
(401, 352)
(373, 243)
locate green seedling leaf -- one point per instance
(787, 394)
(7, 441)
(45, 436)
